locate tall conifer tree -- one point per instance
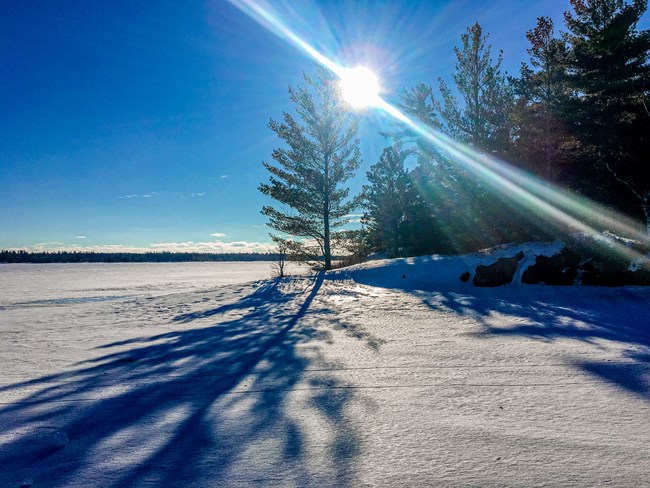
(482, 119)
(542, 142)
(388, 197)
(610, 76)
(322, 153)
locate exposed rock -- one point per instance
(499, 273)
(559, 269)
(599, 272)
(465, 277)
(589, 261)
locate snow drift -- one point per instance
(583, 260)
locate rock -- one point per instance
(559, 269)
(465, 277)
(499, 273)
(600, 272)
(605, 265)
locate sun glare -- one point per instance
(359, 87)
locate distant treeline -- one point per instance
(127, 257)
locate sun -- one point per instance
(360, 87)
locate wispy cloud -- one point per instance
(144, 195)
(218, 234)
(79, 237)
(194, 195)
(41, 245)
(225, 176)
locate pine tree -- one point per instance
(307, 181)
(435, 221)
(387, 200)
(483, 119)
(610, 76)
(542, 141)
(479, 114)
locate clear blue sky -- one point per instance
(144, 124)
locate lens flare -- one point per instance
(527, 193)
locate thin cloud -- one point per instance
(218, 234)
(79, 237)
(40, 245)
(136, 195)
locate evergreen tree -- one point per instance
(483, 119)
(387, 198)
(542, 141)
(421, 105)
(463, 214)
(610, 77)
(322, 154)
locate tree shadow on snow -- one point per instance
(598, 316)
(591, 315)
(206, 406)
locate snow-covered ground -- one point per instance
(390, 373)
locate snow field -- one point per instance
(326, 382)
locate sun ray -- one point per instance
(558, 208)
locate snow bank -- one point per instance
(432, 272)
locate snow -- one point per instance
(432, 272)
(194, 375)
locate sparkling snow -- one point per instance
(390, 373)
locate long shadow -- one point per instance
(591, 315)
(208, 406)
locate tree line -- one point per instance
(576, 116)
(127, 257)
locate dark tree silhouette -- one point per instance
(388, 198)
(610, 77)
(543, 142)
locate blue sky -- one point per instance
(143, 125)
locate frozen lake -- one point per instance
(192, 375)
(37, 282)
